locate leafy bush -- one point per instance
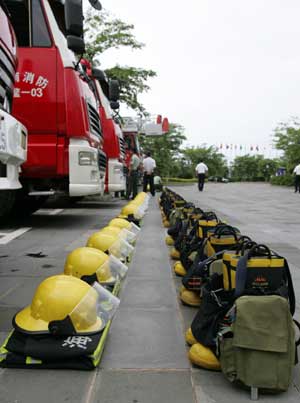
(284, 180)
(179, 180)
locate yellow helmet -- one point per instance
(61, 305)
(101, 240)
(126, 225)
(128, 210)
(140, 198)
(121, 223)
(89, 264)
(109, 229)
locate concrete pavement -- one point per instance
(144, 360)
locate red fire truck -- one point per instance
(114, 145)
(53, 99)
(13, 135)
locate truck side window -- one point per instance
(20, 20)
(58, 10)
(40, 34)
(29, 23)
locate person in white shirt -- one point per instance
(297, 178)
(149, 165)
(201, 170)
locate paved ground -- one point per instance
(145, 356)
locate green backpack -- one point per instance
(256, 343)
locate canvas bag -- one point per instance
(258, 348)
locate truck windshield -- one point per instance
(29, 23)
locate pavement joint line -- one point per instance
(9, 291)
(10, 236)
(91, 388)
(179, 312)
(194, 388)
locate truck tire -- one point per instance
(7, 199)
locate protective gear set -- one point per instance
(91, 265)
(66, 305)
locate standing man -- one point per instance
(149, 165)
(201, 170)
(297, 178)
(133, 175)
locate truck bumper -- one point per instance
(85, 177)
(13, 150)
(116, 177)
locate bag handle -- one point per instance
(246, 246)
(260, 249)
(225, 230)
(209, 215)
(244, 238)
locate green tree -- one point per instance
(132, 82)
(245, 168)
(214, 160)
(103, 32)
(267, 167)
(165, 149)
(287, 138)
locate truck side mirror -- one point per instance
(114, 105)
(74, 18)
(99, 74)
(114, 90)
(96, 4)
(76, 44)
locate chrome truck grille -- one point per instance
(122, 147)
(102, 160)
(7, 73)
(94, 119)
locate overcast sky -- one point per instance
(227, 70)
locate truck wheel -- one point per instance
(7, 199)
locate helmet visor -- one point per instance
(94, 311)
(115, 267)
(121, 249)
(139, 213)
(134, 228)
(128, 236)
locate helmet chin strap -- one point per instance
(62, 327)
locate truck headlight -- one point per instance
(87, 158)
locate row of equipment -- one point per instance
(244, 291)
(69, 317)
